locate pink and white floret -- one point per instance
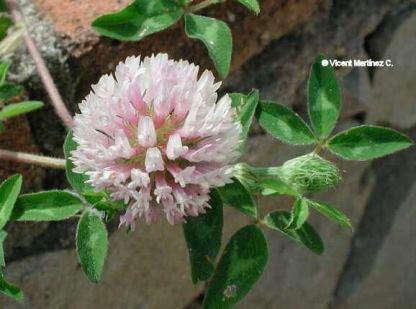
(155, 137)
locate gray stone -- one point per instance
(391, 283)
(394, 91)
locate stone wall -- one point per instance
(371, 267)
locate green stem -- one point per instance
(202, 5)
(32, 159)
(265, 171)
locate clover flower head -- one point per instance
(155, 137)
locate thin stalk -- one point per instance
(202, 5)
(28, 158)
(43, 71)
(271, 171)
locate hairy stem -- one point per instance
(203, 5)
(32, 159)
(43, 71)
(272, 171)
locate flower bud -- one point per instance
(310, 173)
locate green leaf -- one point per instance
(275, 186)
(93, 197)
(300, 214)
(306, 235)
(3, 236)
(2, 128)
(52, 205)
(367, 142)
(331, 213)
(284, 124)
(8, 91)
(237, 196)
(9, 289)
(138, 20)
(16, 109)
(216, 36)
(5, 24)
(252, 5)
(247, 112)
(92, 245)
(240, 266)
(238, 100)
(245, 106)
(324, 100)
(3, 7)
(4, 67)
(9, 191)
(76, 180)
(203, 237)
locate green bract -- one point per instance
(243, 173)
(246, 111)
